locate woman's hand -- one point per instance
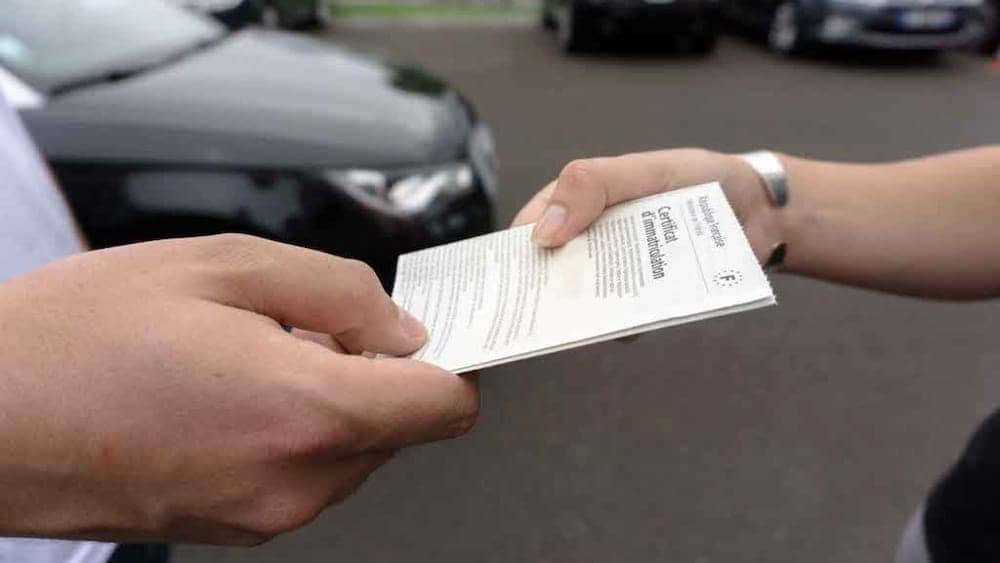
(585, 188)
(925, 226)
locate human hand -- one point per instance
(585, 188)
(149, 392)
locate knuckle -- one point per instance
(366, 299)
(361, 272)
(362, 282)
(578, 170)
(705, 154)
(230, 245)
(694, 152)
(233, 252)
(236, 262)
(696, 158)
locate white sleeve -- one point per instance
(36, 226)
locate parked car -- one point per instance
(915, 25)
(582, 25)
(290, 14)
(158, 123)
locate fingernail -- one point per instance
(548, 226)
(411, 326)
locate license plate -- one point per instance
(926, 19)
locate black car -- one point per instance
(916, 25)
(158, 124)
(290, 14)
(582, 25)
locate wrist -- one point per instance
(53, 492)
(53, 484)
(766, 196)
(790, 222)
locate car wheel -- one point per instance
(575, 31)
(785, 34)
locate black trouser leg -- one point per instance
(141, 553)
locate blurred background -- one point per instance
(806, 432)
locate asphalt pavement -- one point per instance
(806, 432)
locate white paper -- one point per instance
(666, 259)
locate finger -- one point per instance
(312, 291)
(324, 340)
(393, 403)
(534, 208)
(586, 188)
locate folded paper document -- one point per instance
(650, 263)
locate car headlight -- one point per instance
(403, 194)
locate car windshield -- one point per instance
(55, 44)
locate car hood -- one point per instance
(260, 98)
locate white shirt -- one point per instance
(35, 228)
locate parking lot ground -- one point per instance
(807, 432)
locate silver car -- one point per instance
(922, 25)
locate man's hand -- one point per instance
(150, 392)
(585, 188)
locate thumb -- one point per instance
(586, 188)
